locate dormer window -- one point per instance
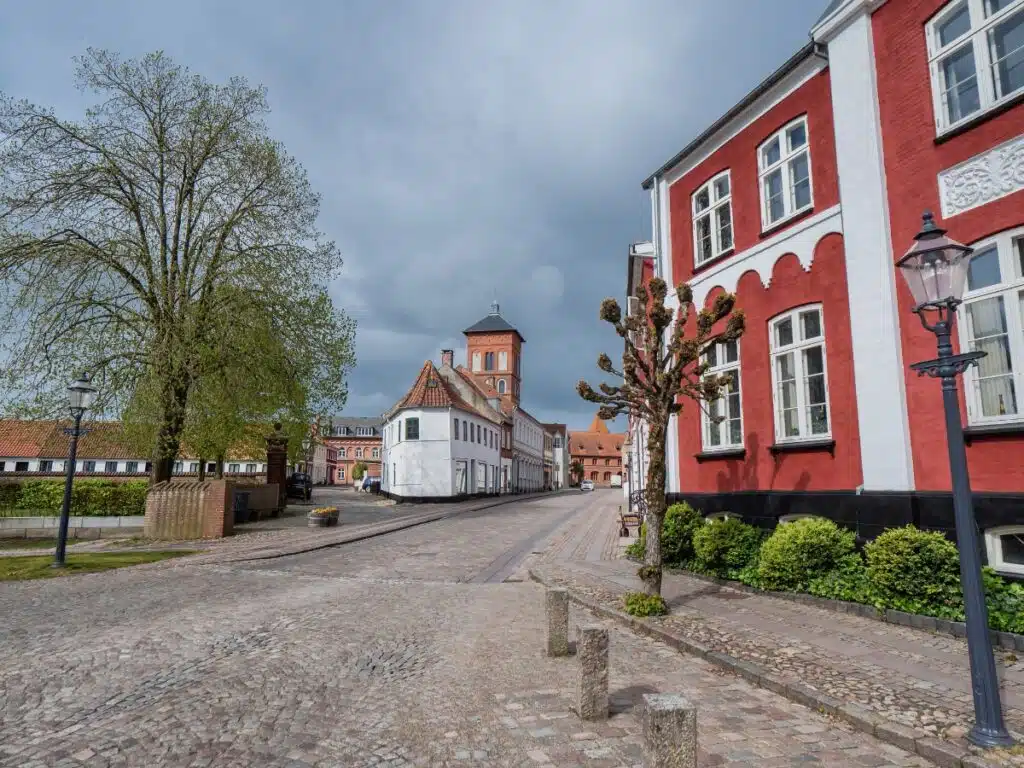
(712, 219)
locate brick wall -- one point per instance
(189, 510)
(913, 160)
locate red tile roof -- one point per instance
(22, 439)
(431, 391)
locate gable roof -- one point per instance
(430, 390)
(483, 408)
(607, 444)
(493, 323)
(597, 426)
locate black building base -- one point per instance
(867, 514)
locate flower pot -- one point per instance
(317, 521)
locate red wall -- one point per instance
(913, 160)
(739, 155)
(790, 287)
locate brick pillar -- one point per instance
(277, 466)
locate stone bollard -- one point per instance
(669, 724)
(592, 648)
(557, 606)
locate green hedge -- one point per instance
(724, 548)
(905, 569)
(89, 497)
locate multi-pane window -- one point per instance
(784, 170)
(233, 468)
(503, 361)
(131, 467)
(412, 429)
(341, 453)
(456, 429)
(178, 468)
(799, 375)
(1006, 549)
(976, 56)
(992, 320)
(476, 361)
(376, 453)
(359, 453)
(46, 465)
(21, 466)
(712, 219)
(488, 361)
(250, 469)
(723, 418)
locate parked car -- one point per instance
(587, 485)
(370, 484)
(300, 485)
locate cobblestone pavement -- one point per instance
(908, 676)
(407, 649)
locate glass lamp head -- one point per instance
(81, 394)
(935, 267)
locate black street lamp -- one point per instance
(935, 268)
(81, 395)
(306, 444)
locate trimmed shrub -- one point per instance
(797, 553)
(849, 581)
(642, 604)
(681, 522)
(89, 497)
(915, 571)
(359, 470)
(725, 547)
(1005, 601)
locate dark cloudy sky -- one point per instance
(464, 148)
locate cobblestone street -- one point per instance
(421, 647)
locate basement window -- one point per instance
(1005, 548)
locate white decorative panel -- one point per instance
(982, 179)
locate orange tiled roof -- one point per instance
(598, 426)
(22, 439)
(596, 443)
(431, 391)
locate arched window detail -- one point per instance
(501, 386)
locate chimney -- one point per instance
(447, 358)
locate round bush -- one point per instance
(725, 546)
(681, 522)
(915, 571)
(800, 551)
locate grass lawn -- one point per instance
(22, 543)
(23, 567)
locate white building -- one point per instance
(438, 445)
(527, 452)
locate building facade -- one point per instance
(600, 453)
(355, 439)
(799, 200)
(40, 447)
(559, 455)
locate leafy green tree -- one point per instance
(577, 470)
(359, 470)
(167, 244)
(661, 363)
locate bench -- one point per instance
(627, 519)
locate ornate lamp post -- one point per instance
(81, 395)
(935, 269)
(306, 444)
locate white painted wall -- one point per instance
(426, 467)
(874, 316)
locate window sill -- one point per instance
(773, 228)
(983, 431)
(713, 261)
(800, 446)
(731, 453)
(992, 112)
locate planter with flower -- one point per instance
(322, 517)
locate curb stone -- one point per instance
(943, 753)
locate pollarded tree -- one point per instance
(134, 241)
(662, 363)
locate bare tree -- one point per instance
(134, 242)
(656, 372)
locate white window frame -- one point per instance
(706, 423)
(1010, 288)
(712, 213)
(994, 549)
(978, 38)
(797, 347)
(375, 454)
(786, 157)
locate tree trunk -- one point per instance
(650, 574)
(220, 467)
(202, 469)
(175, 397)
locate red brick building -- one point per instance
(800, 200)
(599, 451)
(354, 439)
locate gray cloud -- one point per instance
(465, 149)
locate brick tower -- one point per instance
(493, 353)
